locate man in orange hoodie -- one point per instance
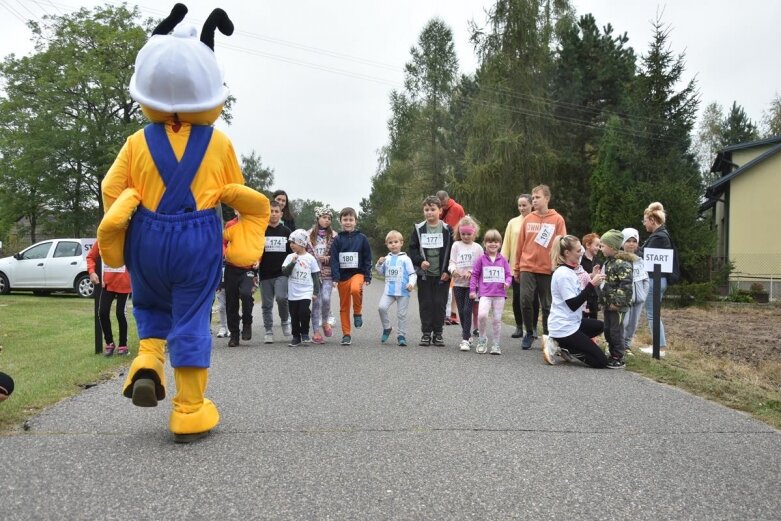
(532, 266)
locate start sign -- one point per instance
(663, 257)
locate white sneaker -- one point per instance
(222, 333)
(649, 350)
(286, 329)
(550, 348)
(465, 346)
(495, 350)
(482, 346)
(268, 338)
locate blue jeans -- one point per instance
(649, 311)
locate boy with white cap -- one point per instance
(640, 284)
(303, 285)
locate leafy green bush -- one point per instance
(691, 294)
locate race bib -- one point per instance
(300, 276)
(431, 240)
(493, 274)
(464, 260)
(638, 272)
(545, 235)
(275, 244)
(320, 250)
(394, 274)
(348, 259)
(109, 269)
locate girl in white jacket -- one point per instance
(640, 284)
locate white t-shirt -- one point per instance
(299, 283)
(562, 321)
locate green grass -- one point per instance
(738, 387)
(48, 348)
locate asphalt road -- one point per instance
(375, 431)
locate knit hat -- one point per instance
(6, 384)
(630, 233)
(613, 239)
(323, 210)
(299, 237)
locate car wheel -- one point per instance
(5, 287)
(84, 286)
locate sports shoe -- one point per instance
(425, 340)
(402, 341)
(385, 335)
(549, 350)
(222, 332)
(246, 332)
(346, 340)
(464, 345)
(482, 346)
(518, 333)
(287, 330)
(495, 349)
(616, 363)
(305, 339)
(527, 341)
(566, 355)
(649, 350)
(295, 341)
(438, 340)
(109, 349)
(357, 321)
(317, 338)
(454, 319)
(268, 338)
(328, 330)
(122, 351)
(234, 341)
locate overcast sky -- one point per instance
(312, 78)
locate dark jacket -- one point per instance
(354, 241)
(659, 239)
(417, 256)
(271, 261)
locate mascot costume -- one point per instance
(162, 198)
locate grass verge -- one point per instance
(743, 387)
(48, 348)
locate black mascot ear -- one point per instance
(176, 16)
(218, 19)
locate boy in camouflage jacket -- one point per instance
(616, 294)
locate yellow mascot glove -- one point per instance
(247, 238)
(111, 232)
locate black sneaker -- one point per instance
(527, 341)
(246, 332)
(518, 333)
(438, 340)
(295, 341)
(425, 340)
(234, 341)
(616, 363)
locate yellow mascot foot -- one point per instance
(193, 415)
(145, 382)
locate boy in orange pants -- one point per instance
(351, 264)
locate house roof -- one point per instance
(718, 186)
(751, 144)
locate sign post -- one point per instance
(658, 261)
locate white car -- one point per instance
(54, 265)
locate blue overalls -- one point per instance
(174, 254)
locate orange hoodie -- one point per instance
(117, 280)
(530, 255)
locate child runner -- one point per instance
(429, 249)
(303, 285)
(116, 285)
(463, 255)
(400, 279)
(351, 268)
(588, 260)
(273, 284)
(321, 237)
(491, 276)
(571, 332)
(616, 294)
(640, 286)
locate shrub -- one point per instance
(694, 294)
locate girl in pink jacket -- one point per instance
(491, 276)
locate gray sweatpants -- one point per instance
(631, 320)
(221, 308)
(270, 290)
(402, 303)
